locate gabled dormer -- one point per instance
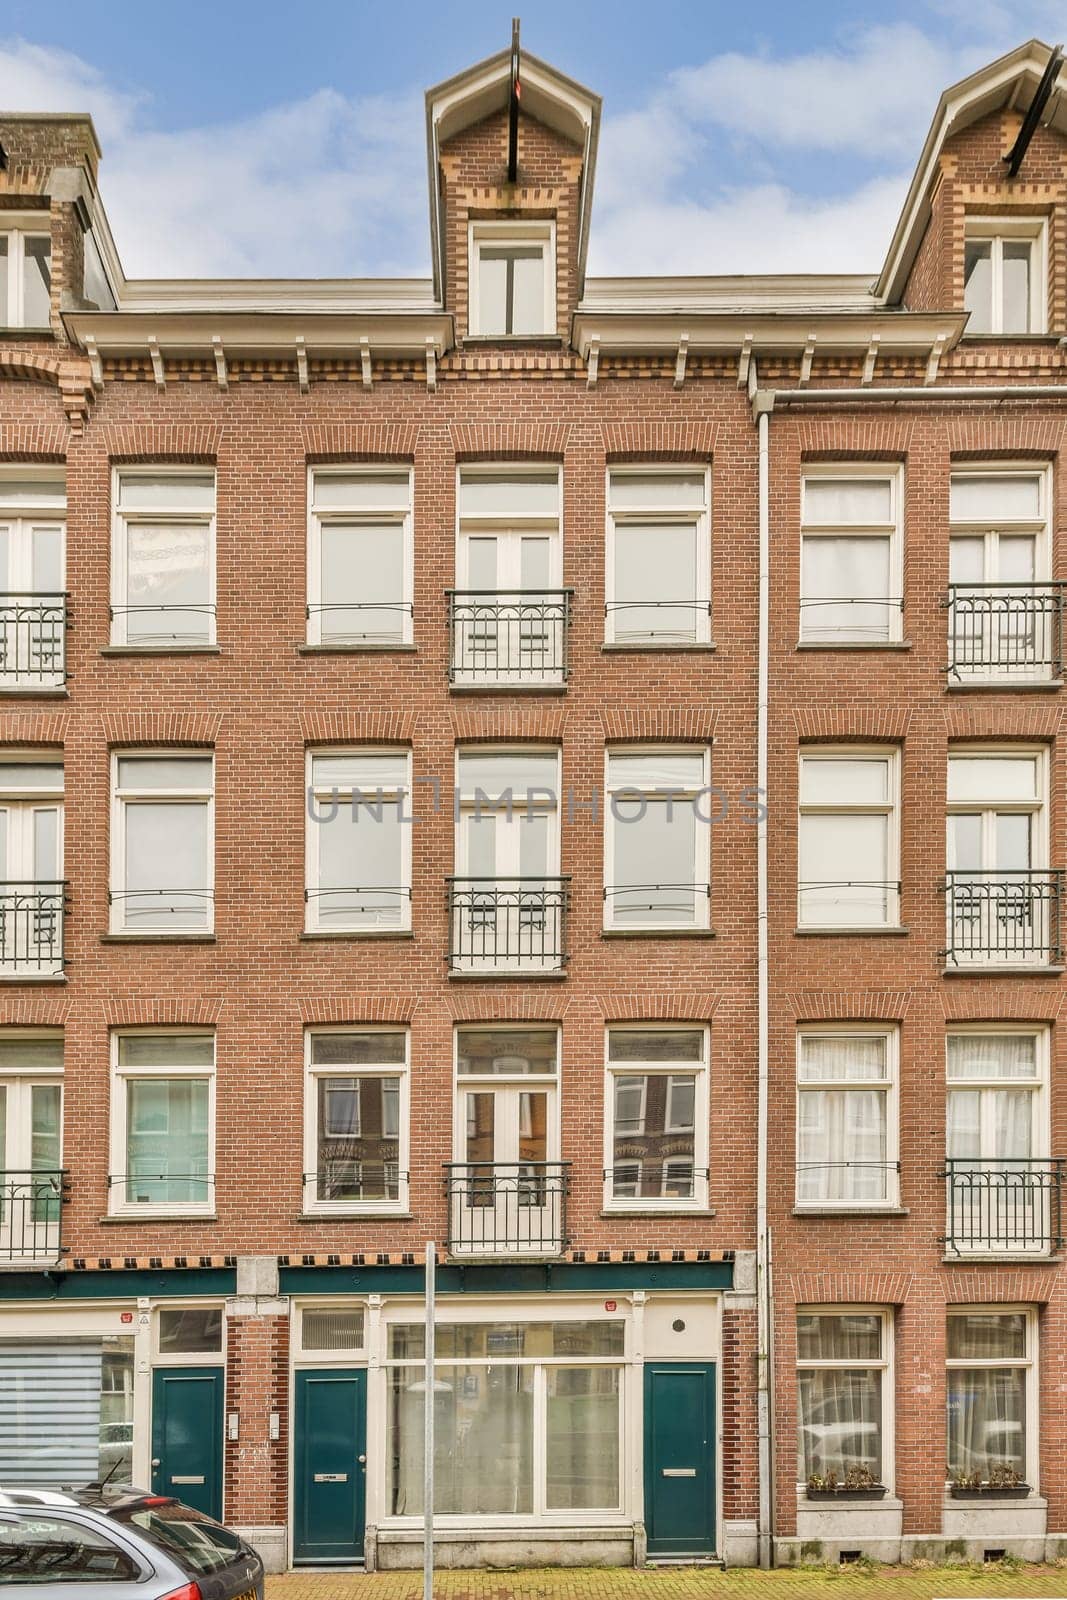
(984, 224)
(511, 156)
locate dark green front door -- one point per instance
(329, 1462)
(680, 1457)
(187, 1435)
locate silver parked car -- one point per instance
(112, 1542)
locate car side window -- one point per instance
(38, 1548)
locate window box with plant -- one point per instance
(855, 1483)
(1003, 1483)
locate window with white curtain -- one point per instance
(358, 840)
(512, 279)
(996, 1139)
(162, 1126)
(531, 1423)
(162, 843)
(849, 838)
(847, 1117)
(1004, 274)
(33, 511)
(844, 1393)
(356, 1135)
(851, 563)
(992, 1393)
(658, 573)
(657, 1118)
(1004, 618)
(31, 1143)
(26, 275)
(657, 838)
(360, 564)
(163, 557)
(31, 866)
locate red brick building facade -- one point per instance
(390, 674)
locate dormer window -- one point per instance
(512, 279)
(25, 279)
(1004, 275)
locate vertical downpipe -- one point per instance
(762, 406)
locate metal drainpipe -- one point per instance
(762, 406)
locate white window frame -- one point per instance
(188, 1358)
(890, 808)
(503, 523)
(700, 520)
(701, 882)
(990, 806)
(1028, 1363)
(122, 521)
(893, 530)
(991, 528)
(467, 804)
(701, 1072)
(994, 231)
(119, 800)
(885, 1364)
(23, 1079)
(319, 517)
(357, 1356)
(336, 1069)
(17, 227)
(121, 1075)
(20, 519)
(1040, 1131)
(478, 1082)
(534, 231)
(888, 1085)
(322, 796)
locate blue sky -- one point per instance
(245, 139)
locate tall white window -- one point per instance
(656, 1106)
(657, 871)
(1002, 1190)
(1004, 274)
(360, 563)
(162, 1124)
(509, 614)
(356, 1120)
(851, 565)
(992, 1396)
(33, 505)
(1002, 904)
(162, 843)
(849, 842)
(1004, 615)
(31, 867)
(163, 557)
(26, 274)
(658, 573)
(31, 1144)
(844, 1397)
(358, 840)
(507, 897)
(512, 279)
(846, 1117)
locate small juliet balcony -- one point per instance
(31, 929)
(1003, 1206)
(507, 1209)
(1004, 918)
(31, 1217)
(1004, 633)
(33, 641)
(511, 639)
(503, 927)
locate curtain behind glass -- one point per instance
(840, 1421)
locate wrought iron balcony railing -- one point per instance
(848, 903)
(516, 636)
(636, 1179)
(362, 622)
(1003, 1206)
(31, 1216)
(355, 1181)
(516, 1208)
(657, 622)
(656, 905)
(162, 1189)
(504, 925)
(846, 1183)
(33, 640)
(1010, 631)
(849, 619)
(165, 625)
(162, 910)
(31, 928)
(1004, 918)
(359, 907)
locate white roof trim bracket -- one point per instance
(365, 361)
(431, 364)
(221, 370)
(870, 358)
(158, 371)
(96, 366)
(807, 358)
(745, 361)
(680, 360)
(302, 364)
(937, 350)
(593, 360)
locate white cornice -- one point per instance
(836, 333)
(351, 296)
(818, 292)
(243, 332)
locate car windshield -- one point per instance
(195, 1541)
(43, 1548)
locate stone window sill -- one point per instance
(1003, 686)
(357, 649)
(151, 1218)
(354, 1216)
(1005, 971)
(854, 644)
(657, 933)
(851, 1211)
(507, 688)
(161, 650)
(157, 938)
(842, 932)
(358, 933)
(609, 647)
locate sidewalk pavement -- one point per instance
(684, 1583)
